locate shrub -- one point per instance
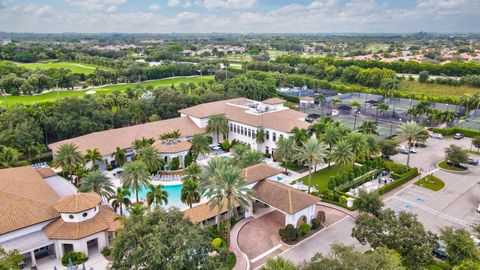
(109, 167)
(321, 217)
(106, 251)
(305, 228)
(76, 258)
(289, 233)
(225, 145)
(343, 199)
(400, 181)
(450, 131)
(217, 243)
(395, 167)
(175, 163)
(315, 224)
(188, 159)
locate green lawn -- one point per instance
(431, 89)
(431, 182)
(321, 177)
(443, 164)
(52, 96)
(74, 67)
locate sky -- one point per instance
(240, 16)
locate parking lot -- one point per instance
(454, 205)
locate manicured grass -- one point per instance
(321, 177)
(431, 182)
(443, 164)
(407, 86)
(74, 67)
(52, 96)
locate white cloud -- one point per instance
(154, 7)
(187, 4)
(96, 5)
(228, 4)
(173, 3)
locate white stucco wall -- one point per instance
(78, 217)
(81, 244)
(308, 212)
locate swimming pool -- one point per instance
(173, 196)
(279, 178)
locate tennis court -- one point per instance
(472, 122)
(384, 129)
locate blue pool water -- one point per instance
(173, 196)
(227, 158)
(279, 178)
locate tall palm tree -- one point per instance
(373, 146)
(96, 181)
(331, 136)
(218, 124)
(93, 155)
(368, 127)
(285, 151)
(356, 104)
(260, 137)
(382, 108)
(135, 176)
(156, 195)
(200, 145)
(120, 198)
(8, 157)
(139, 143)
(171, 135)
(119, 157)
(150, 156)
(311, 154)
(342, 154)
(411, 132)
(68, 157)
(137, 209)
(358, 144)
(300, 135)
(213, 165)
(227, 186)
(238, 151)
(190, 193)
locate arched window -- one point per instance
(241, 132)
(231, 127)
(235, 128)
(253, 134)
(249, 133)
(281, 136)
(274, 136)
(267, 135)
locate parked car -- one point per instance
(472, 161)
(439, 253)
(413, 150)
(403, 150)
(458, 165)
(458, 136)
(437, 136)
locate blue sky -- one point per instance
(242, 16)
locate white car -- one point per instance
(413, 150)
(437, 136)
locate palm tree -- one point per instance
(120, 199)
(373, 146)
(96, 181)
(355, 104)
(119, 157)
(238, 151)
(368, 127)
(92, 155)
(140, 143)
(251, 157)
(156, 195)
(330, 137)
(299, 136)
(194, 172)
(285, 151)
(149, 155)
(335, 101)
(342, 154)
(171, 135)
(411, 132)
(320, 99)
(260, 137)
(8, 157)
(68, 157)
(311, 154)
(382, 108)
(213, 165)
(137, 209)
(227, 186)
(358, 144)
(135, 176)
(278, 263)
(218, 124)
(190, 193)
(200, 145)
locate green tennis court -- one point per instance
(384, 129)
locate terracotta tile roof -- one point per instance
(282, 120)
(172, 146)
(78, 202)
(46, 172)
(282, 197)
(25, 199)
(107, 141)
(104, 220)
(259, 172)
(273, 101)
(202, 212)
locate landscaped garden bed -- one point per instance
(443, 165)
(291, 235)
(431, 182)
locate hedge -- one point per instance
(450, 131)
(400, 181)
(290, 98)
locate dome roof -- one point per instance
(172, 146)
(77, 202)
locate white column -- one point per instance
(34, 261)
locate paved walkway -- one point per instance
(242, 260)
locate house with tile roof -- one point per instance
(265, 190)
(43, 216)
(245, 119)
